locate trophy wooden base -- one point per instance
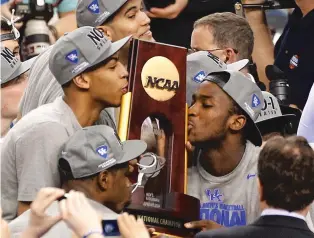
(175, 210)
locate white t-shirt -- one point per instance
(306, 125)
(230, 200)
(30, 153)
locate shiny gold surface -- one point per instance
(124, 116)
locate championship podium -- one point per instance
(157, 90)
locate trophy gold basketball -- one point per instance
(157, 96)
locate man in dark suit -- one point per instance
(286, 181)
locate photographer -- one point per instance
(40, 25)
(293, 51)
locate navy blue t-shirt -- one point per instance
(294, 54)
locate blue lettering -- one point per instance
(215, 216)
(225, 218)
(210, 205)
(225, 215)
(204, 214)
(235, 219)
(243, 218)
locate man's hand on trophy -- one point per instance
(203, 225)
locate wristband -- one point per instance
(92, 232)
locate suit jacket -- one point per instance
(273, 226)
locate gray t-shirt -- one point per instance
(18, 225)
(43, 88)
(230, 200)
(30, 151)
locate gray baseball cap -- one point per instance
(246, 94)
(12, 67)
(79, 50)
(271, 110)
(200, 64)
(96, 12)
(96, 148)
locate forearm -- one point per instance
(263, 53)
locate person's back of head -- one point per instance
(286, 173)
(229, 31)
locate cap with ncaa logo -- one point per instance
(96, 12)
(200, 64)
(12, 67)
(94, 149)
(79, 50)
(246, 94)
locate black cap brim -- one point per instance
(254, 135)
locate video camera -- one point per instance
(278, 85)
(267, 5)
(35, 33)
(35, 9)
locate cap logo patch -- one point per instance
(72, 57)
(102, 151)
(9, 57)
(94, 7)
(199, 77)
(255, 101)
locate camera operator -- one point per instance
(33, 19)
(293, 52)
(64, 8)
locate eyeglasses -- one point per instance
(190, 51)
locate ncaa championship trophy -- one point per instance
(157, 98)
